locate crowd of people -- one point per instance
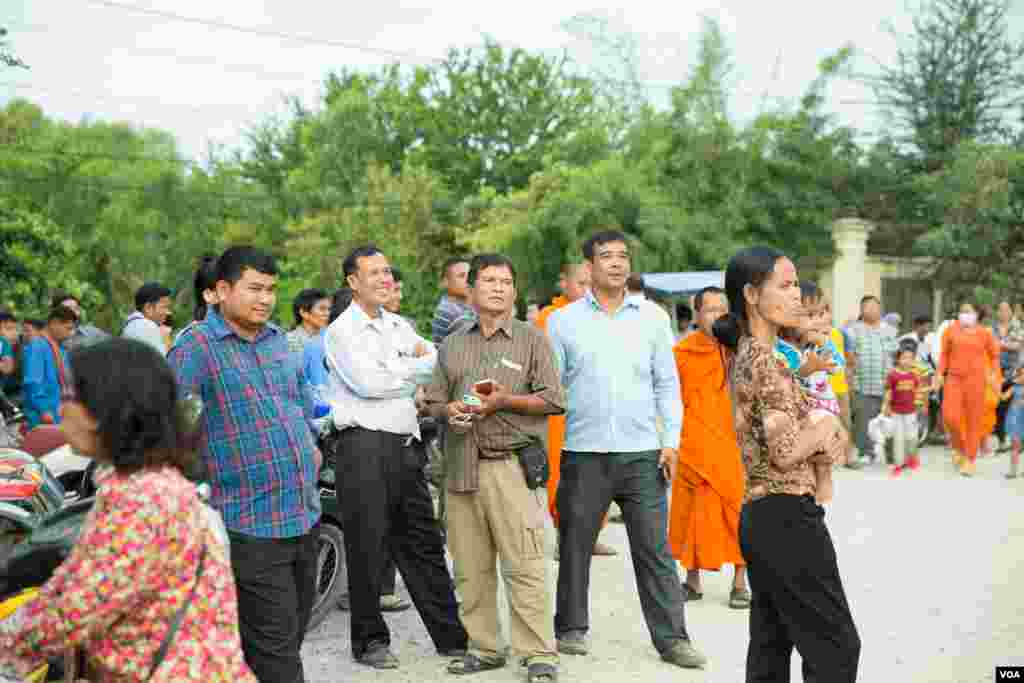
(740, 414)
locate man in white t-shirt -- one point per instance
(152, 307)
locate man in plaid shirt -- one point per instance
(259, 457)
(874, 344)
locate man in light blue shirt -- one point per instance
(616, 361)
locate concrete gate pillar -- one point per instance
(850, 236)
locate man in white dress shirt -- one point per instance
(376, 361)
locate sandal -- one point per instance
(541, 672)
(689, 594)
(739, 598)
(471, 664)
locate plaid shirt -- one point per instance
(874, 348)
(446, 315)
(257, 446)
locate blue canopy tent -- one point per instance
(682, 284)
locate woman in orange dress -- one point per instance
(969, 355)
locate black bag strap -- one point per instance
(179, 616)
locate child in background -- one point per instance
(1014, 389)
(813, 359)
(900, 405)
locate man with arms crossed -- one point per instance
(378, 360)
(615, 357)
(508, 366)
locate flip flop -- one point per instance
(471, 664)
(690, 594)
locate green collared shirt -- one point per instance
(517, 356)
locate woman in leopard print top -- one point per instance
(798, 596)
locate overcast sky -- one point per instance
(202, 83)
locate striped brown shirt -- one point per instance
(518, 357)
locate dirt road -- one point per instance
(933, 566)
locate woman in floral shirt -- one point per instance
(798, 597)
(145, 545)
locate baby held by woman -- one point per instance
(813, 359)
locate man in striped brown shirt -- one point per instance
(509, 368)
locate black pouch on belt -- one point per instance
(534, 461)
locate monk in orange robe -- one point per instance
(573, 283)
(969, 355)
(707, 492)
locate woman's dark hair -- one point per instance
(205, 279)
(305, 301)
(136, 408)
(751, 266)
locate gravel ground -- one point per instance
(933, 566)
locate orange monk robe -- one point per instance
(992, 391)
(556, 423)
(708, 489)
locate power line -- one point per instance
(266, 33)
(177, 56)
(396, 54)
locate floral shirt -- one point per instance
(771, 410)
(115, 596)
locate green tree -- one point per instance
(957, 76)
(33, 254)
(976, 216)
(494, 114)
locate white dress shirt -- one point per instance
(374, 372)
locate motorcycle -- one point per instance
(32, 507)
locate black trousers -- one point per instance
(386, 505)
(589, 483)
(798, 597)
(1001, 411)
(276, 583)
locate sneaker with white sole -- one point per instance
(684, 654)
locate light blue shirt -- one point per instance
(619, 374)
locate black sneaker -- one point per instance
(573, 643)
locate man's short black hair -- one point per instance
(809, 290)
(150, 293)
(599, 238)
(684, 313)
(60, 296)
(922, 320)
(453, 261)
(350, 266)
(305, 301)
(341, 300)
(396, 274)
(698, 301)
(233, 263)
(483, 261)
(37, 323)
(62, 314)
(7, 317)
